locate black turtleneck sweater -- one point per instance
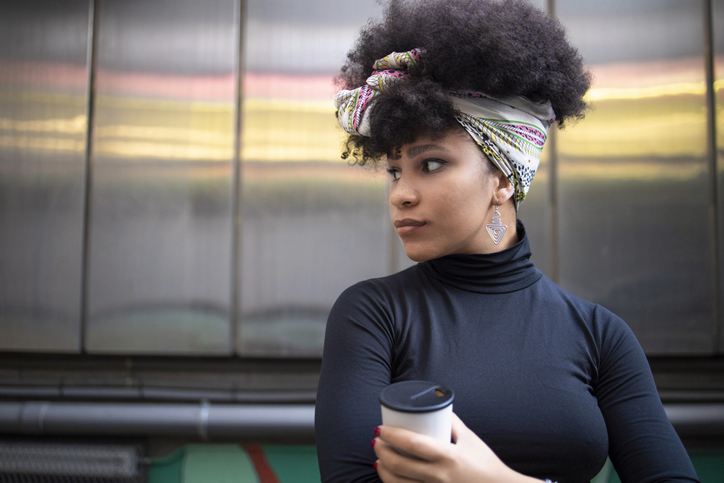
(550, 382)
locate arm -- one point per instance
(643, 445)
(356, 366)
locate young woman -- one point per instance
(455, 98)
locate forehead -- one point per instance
(454, 142)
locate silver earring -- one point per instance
(496, 229)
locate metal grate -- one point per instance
(41, 462)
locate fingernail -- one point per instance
(377, 431)
(373, 443)
(374, 465)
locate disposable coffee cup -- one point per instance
(420, 406)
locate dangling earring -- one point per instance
(496, 229)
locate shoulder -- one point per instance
(616, 339)
(374, 300)
(607, 328)
(382, 289)
(554, 295)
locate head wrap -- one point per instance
(510, 131)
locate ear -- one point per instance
(504, 189)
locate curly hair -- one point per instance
(501, 48)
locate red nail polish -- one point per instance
(377, 431)
(373, 443)
(374, 465)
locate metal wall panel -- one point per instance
(43, 103)
(718, 53)
(635, 232)
(312, 225)
(159, 276)
(633, 223)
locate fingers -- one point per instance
(418, 445)
(389, 477)
(394, 467)
(387, 453)
(469, 459)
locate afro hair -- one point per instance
(501, 48)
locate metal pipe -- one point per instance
(696, 420)
(158, 394)
(204, 421)
(240, 421)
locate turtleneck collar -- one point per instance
(502, 272)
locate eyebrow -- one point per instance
(423, 148)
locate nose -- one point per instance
(403, 194)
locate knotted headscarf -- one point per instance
(511, 131)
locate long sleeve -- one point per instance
(550, 382)
(355, 368)
(643, 445)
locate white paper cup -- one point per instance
(420, 406)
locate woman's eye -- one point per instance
(394, 173)
(432, 165)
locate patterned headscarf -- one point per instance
(511, 131)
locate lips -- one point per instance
(408, 225)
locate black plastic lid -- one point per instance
(416, 396)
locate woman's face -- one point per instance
(442, 195)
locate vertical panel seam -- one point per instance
(712, 171)
(553, 185)
(240, 6)
(553, 199)
(91, 62)
(551, 7)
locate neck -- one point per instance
(500, 272)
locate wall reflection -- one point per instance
(159, 278)
(634, 202)
(312, 225)
(43, 103)
(718, 54)
(620, 212)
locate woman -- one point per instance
(456, 100)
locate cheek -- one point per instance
(470, 195)
(462, 211)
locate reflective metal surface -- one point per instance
(717, 23)
(159, 276)
(312, 225)
(635, 232)
(43, 95)
(620, 212)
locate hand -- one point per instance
(467, 459)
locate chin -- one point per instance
(419, 254)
